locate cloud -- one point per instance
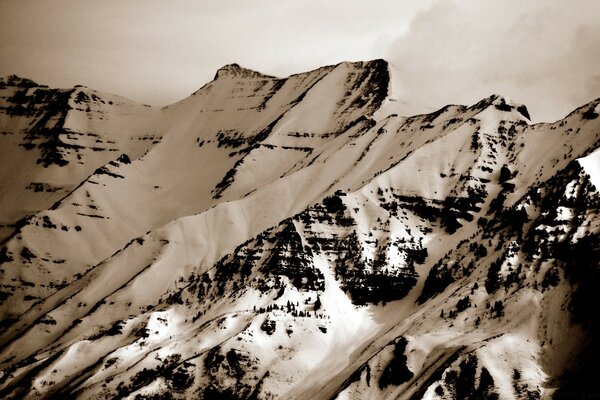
(543, 54)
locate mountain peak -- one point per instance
(503, 104)
(377, 63)
(14, 80)
(237, 71)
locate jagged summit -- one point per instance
(236, 71)
(376, 64)
(380, 65)
(15, 80)
(503, 104)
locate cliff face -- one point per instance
(295, 238)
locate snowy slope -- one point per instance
(52, 139)
(297, 238)
(210, 138)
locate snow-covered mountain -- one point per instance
(295, 238)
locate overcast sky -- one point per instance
(543, 53)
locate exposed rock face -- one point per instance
(295, 238)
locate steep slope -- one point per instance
(314, 244)
(213, 139)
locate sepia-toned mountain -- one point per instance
(295, 238)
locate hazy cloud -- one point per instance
(545, 54)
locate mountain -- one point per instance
(295, 238)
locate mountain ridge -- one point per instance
(351, 252)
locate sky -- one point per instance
(545, 54)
